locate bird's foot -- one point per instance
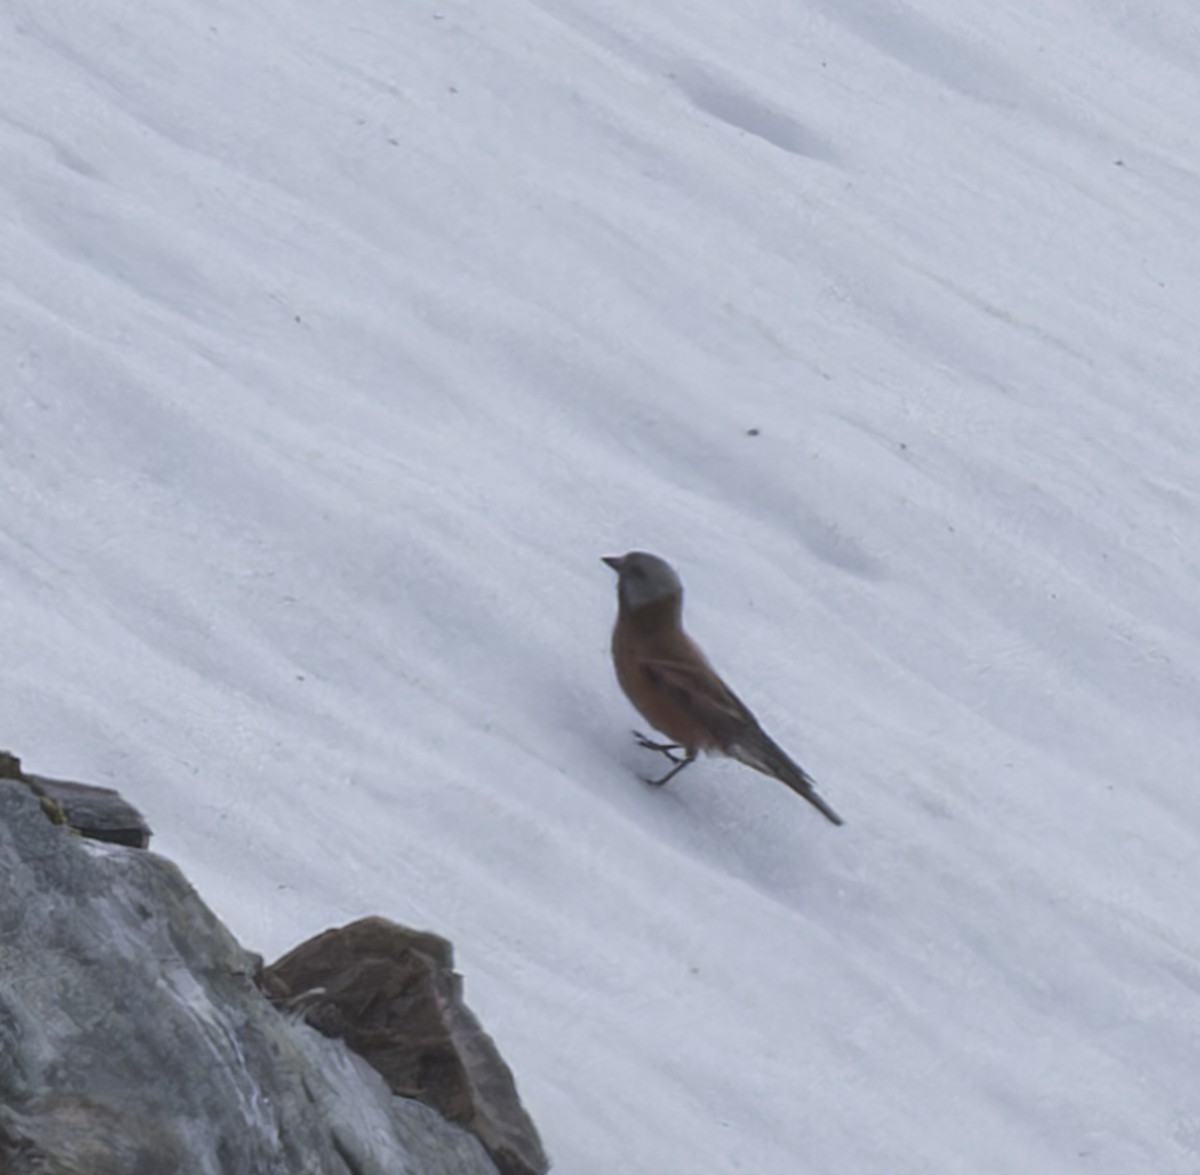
(667, 749)
(680, 764)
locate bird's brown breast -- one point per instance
(669, 681)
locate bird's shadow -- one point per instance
(716, 811)
(734, 821)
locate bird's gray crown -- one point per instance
(644, 578)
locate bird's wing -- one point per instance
(698, 691)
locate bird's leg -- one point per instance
(680, 764)
(667, 749)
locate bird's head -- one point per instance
(644, 579)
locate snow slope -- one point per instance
(341, 340)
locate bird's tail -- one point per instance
(761, 753)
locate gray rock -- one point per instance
(134, 1040)
(97, 812)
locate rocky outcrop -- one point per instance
(99, 813)
(134, 1039)
(393, 996)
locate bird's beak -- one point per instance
(614, 561)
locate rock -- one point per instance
(393, 996)
(67, 1133)
(96, 812)
(134, 1039)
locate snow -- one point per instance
(342, 340)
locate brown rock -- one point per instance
(393, 996)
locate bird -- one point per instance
(672, 685)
